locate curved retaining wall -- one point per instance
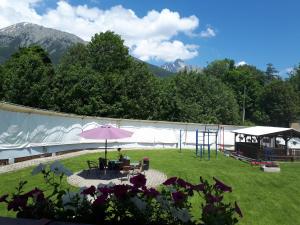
(26, 131)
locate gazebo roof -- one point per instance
(268, 131)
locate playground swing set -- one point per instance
(204, 138)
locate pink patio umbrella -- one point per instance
(106, 132)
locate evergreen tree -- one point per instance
(271, 73)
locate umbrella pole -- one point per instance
(105, 151)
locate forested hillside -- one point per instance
(102, 79)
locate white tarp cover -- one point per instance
(27, 129)
(260, 130)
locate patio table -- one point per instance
(114, 164)
(134, 164)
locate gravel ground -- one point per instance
(87, 178)
(33, 162)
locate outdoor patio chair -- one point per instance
(92, 165)
(139, 169)
(125, 162)
(102, 163)
(125, 172)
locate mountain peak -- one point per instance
(24, 34)
(175, 66)
(179, 65)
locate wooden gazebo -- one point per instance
(266, 143)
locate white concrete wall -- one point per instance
(26, 131)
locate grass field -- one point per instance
(265, 199)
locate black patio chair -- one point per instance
(102, 163)
(92, 165)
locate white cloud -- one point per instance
(286, 71)
(241, 63)
(148, 49)
(208, 33)
(289, 69)
(150, 37)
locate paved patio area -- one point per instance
(87, 178)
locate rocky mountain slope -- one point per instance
(179, 65)
(55, 42)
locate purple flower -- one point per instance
(19, 201)
(105, 190)
(100, 200)
(221, 186)
(3, 198)
(209, 208)
(178, 197)
(151, 193)
(138, 180)
(189, 184)
(212, 199)
(181, 183)
(237, 209)
(120, 191)
(89, 191)
(170, 181)
(35, 193)
(199, 187)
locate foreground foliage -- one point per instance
(264, 198)
(122, 204)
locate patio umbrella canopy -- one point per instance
(105, 132)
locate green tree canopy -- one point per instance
(108, 53)
(199, 98)
(26, 77)
(294, 79)
(1, 82)
(76, 54)
(252, 80)
(114, 86)
(271, 73)
(219, 68)
(280, 102)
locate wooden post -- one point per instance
(235, 135)
(286, 145)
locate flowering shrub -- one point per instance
(123, 204)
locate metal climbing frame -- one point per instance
(209, 131)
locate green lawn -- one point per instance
(264, 198)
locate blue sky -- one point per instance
(256, 32)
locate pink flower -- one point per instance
(138, 180)
(120, 191)
(35, 193)
(221, 186)
(134, 190)
(19, 201)
(3, 198)
(181, 183)
(178, 197)
(105, 190)
(199, 187)
(212, 199)
(209, 208)
(151, 193)
(170, 181)
(237, 209)
(89, 191)
(100, 200)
